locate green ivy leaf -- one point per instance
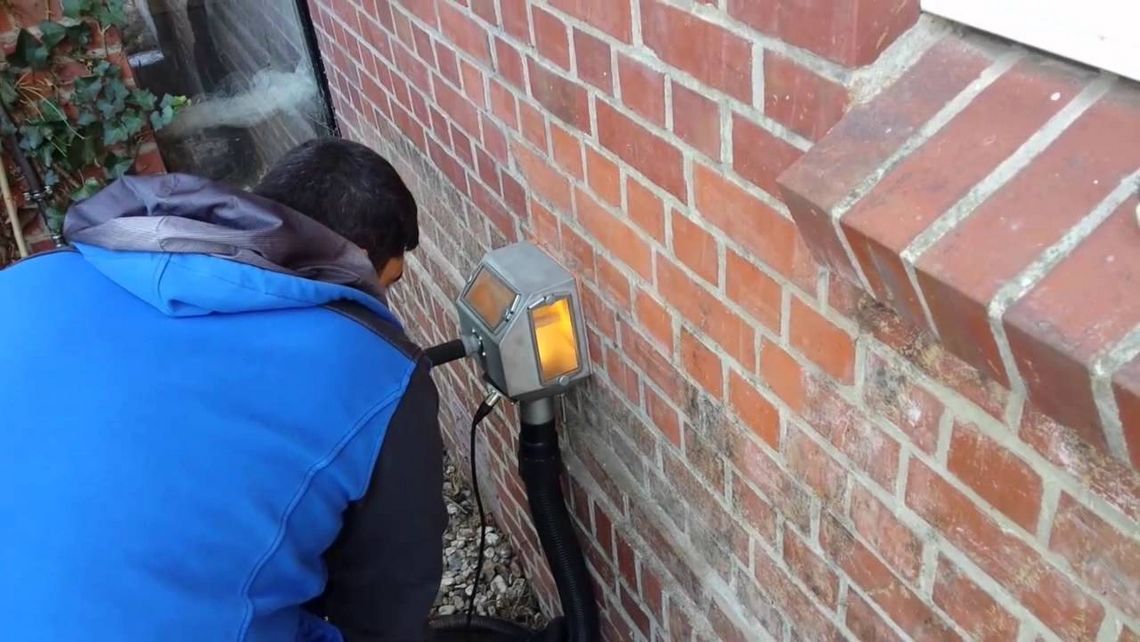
(52, 33)
(29, 52)
(143, 99)
(81, 152)
(114, 135)
(8, 93)
(76, 9)
(31, 137)
(133, 123)
(88, 88)
(89, 188)
(117, 165)
(79, 35)
(52, 112)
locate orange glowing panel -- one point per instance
(490, 298)
(555, 339)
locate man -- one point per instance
(212, 426)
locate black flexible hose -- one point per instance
(446, 352)
(481, 624)
(540, 466)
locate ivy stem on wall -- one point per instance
(13, 213)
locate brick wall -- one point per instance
(774, 446)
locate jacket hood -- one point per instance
(189, 246)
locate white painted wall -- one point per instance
(1100, 33)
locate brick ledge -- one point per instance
(990, 197)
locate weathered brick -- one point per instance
(563, 98)
(635, 611)
(696, 248)
(652, 362)
(867, 135)
(759, 294)
(704, 310)
(1013, 225)
(1106, 558)
(897, 544)
(645, 208)
(745, 219)
(567, 151)
(810, 568)
(845, 426)
(919, 189)
(758, 155)
(850, 32)
(903, 606)
(1062, 324)
(654, 318)
(1110, 479)
(1044, 590)
(615, 235)
(642, 89)
(865, 623)
(594, 58)
(696, 120)
(465, 32)
(542, 178)
(715, 56)
(820, 340)
(611, 16)
(756, 512)
(754, 410)
(783, 374)
(976, 611)
(1126, 390)
(702, 364)
(1000, 477)
(646, 152)
(800, 99)
(812, 465)
(889, 392)
(551, 37)
(664, 417)
(811, 622)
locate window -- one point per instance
(1100, 33)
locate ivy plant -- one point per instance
(75, 115)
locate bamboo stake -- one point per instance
(13, 213)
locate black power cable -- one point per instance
(485, 409)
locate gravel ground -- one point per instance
(503, 590)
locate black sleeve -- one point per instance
(385, 567)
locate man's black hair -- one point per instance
(351, 190)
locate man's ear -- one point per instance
(392, 271)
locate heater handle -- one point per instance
(451, 351)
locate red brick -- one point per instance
(599, 313)
(867, 135)
(604, 177)
(635, 612)
(820, 340)
(811, 464)
(551, 37)
(1044, 590)
(514, 195)
(642, 89)
(579, 253)
(919, 189)
(611, 16)
(503, 105)
(851, 432)
(756, 292)
(664, 417)
(595, 65)
(466, 33)
(755, 511)
(850, 32)
(655, 319)
(798, 98)
(1103, 556)
(456, 106)
(901, 604)
(708, 515)
(1057, 329)
(756, 465)
(447, 63)
(703, 309)
(1129, 635)
(474, 84)
(494, 140)
(715, 56)
(702, 364)
(745, 219)
(807, 565)
(658, 367)
(1126, 389)
(1110, 479)
(899, 546)
(615, 235)
(759, 156)
(783, 374)
(645, 208)
(865, 623)
(754, 410)
(696, 248)
(509, 63)
(696, 120)
(1091, 157)
(891, 393)
(515, 19)
(615, 283)
(811, 623)
(542, 178)
(561, 97)
(646, 152)
(1006, 482)
(976, 611)
(567, 151)
(533, 124)
(623, 376)
(461, 145)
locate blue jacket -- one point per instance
(213, 428)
